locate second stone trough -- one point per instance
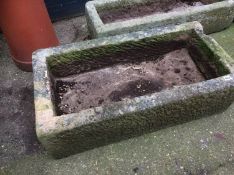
(112, 17)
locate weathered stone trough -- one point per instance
(96, 92)
(111, 17)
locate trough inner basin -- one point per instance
(125, 11)
(109, 74)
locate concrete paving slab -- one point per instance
(203, 146)
(226, 39)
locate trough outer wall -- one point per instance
(69, 134)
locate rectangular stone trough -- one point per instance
(111, 17)
(101, 91)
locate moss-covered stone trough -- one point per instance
(69, 78)
(111, 17)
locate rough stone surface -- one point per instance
(214, 17)
(68, 134)
(116, 157)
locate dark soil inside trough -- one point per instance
(152, 7)
(125, 81)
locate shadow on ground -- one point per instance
(17, 128)
(17, 115)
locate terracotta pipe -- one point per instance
(27, 27)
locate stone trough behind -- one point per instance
(214, 16)
(63, 135)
